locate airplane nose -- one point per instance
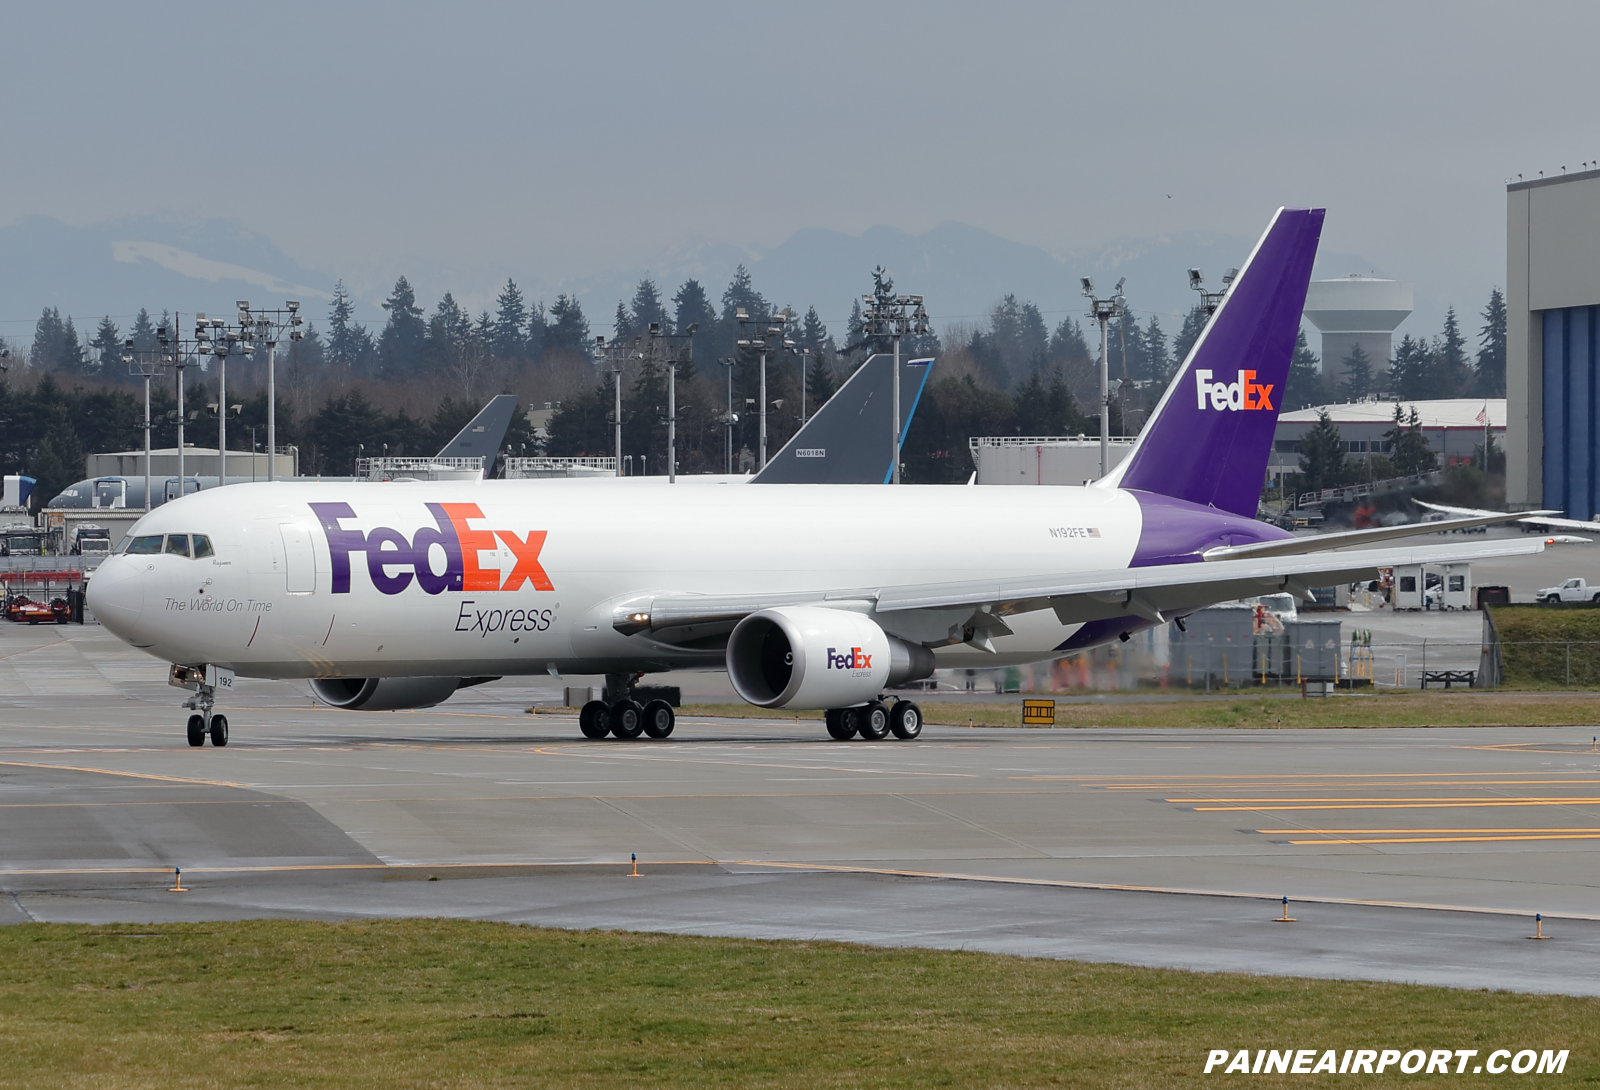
(116, 595)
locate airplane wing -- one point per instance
(1347, 538)
(483, 433)
(1156, 593)
(1542, 518)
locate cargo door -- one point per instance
(299, 559)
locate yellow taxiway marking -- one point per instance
(1376, 832)
(1401, 798)
(1464, 805)
(1372, 782)
(131, 775)
(1451, 839)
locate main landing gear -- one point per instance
(626, 719)
(875, 720)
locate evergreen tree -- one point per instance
(1046, 410)
(1155, 349)
(343, 341)
(1304, 384)
(107, 343)
(55, 344)
(741, 292)
(621, 323)
(1194, 323)
(1322, 454)
(568, 329)
(855, 334)
(1128, 347)
(1017, 338)
(400, 344)
(1067, 343)
(581, 426)
(143, 332)
(511, 316)
(1356, 382)
(647, 308)
(813, 334)
(1492, 348)
(1409, 451)
(536, 331)
(1411, 369)
(820, 381)
(694, 307)
(1454, 373)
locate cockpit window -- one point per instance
(145, 546)
(178, 544)
(202, 546)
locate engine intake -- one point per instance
(815, 657)
(388, 694)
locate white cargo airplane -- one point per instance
(810, 596)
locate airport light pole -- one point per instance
(893, 316)
(221, 338)
(765, 337)
(171, 347)
(1102, 311)
(670, 349)
(146, 365)
(613, 354)
(730, 419)
(269, 326)
(1211, 300)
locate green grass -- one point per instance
(1365, 709)
(1549, 646)
(462, 1004)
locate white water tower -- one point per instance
(1356, 310)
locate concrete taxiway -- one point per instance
(1407, 854)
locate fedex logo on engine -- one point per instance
(394, 560)
(1246, 393)
(853, 659)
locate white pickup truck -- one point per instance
(1572, 590)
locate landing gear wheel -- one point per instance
(197, 730)
(627, 719)
(219, 730)
(841, 723)
(872, 722)
(594, 719)
(659, 719)
(905, 719)
(837, 728)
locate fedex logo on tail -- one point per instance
(1244, 394)
(853, 659)
(394, 560)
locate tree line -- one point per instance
(344, 389)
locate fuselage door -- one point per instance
(300, 559)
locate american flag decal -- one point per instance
(1094, 532)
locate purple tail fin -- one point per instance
(1208, 440)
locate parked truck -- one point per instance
(1572, 590)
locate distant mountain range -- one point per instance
(119, 266)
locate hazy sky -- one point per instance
(561, 140)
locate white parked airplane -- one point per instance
(810, 596)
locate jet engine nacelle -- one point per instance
(388, 694)
(815, 657)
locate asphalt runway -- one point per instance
(1416, 855)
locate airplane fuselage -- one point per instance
(527, 577)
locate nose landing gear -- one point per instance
(204, 722)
